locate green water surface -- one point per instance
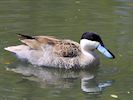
(112, 19)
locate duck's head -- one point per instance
(91, 41)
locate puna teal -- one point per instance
(61, 53)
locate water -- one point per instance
(112, 19)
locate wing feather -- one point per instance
(61, 48)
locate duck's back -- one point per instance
(60, 47)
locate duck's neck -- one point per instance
(87, 53)
(89, 58)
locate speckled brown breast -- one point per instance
(66, 48)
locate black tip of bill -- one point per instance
(105, 52)
(113, 56)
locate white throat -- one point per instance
(88, 46)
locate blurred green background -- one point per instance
(112, 19)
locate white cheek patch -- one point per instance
(91, 45)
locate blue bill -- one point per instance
(105, 51)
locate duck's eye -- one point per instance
(91, 38)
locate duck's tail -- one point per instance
(21, 51)
(16, 49)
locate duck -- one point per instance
(49, 51)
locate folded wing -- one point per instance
(61, 48)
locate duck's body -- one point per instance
(52, 52)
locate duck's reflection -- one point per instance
(61, 77)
